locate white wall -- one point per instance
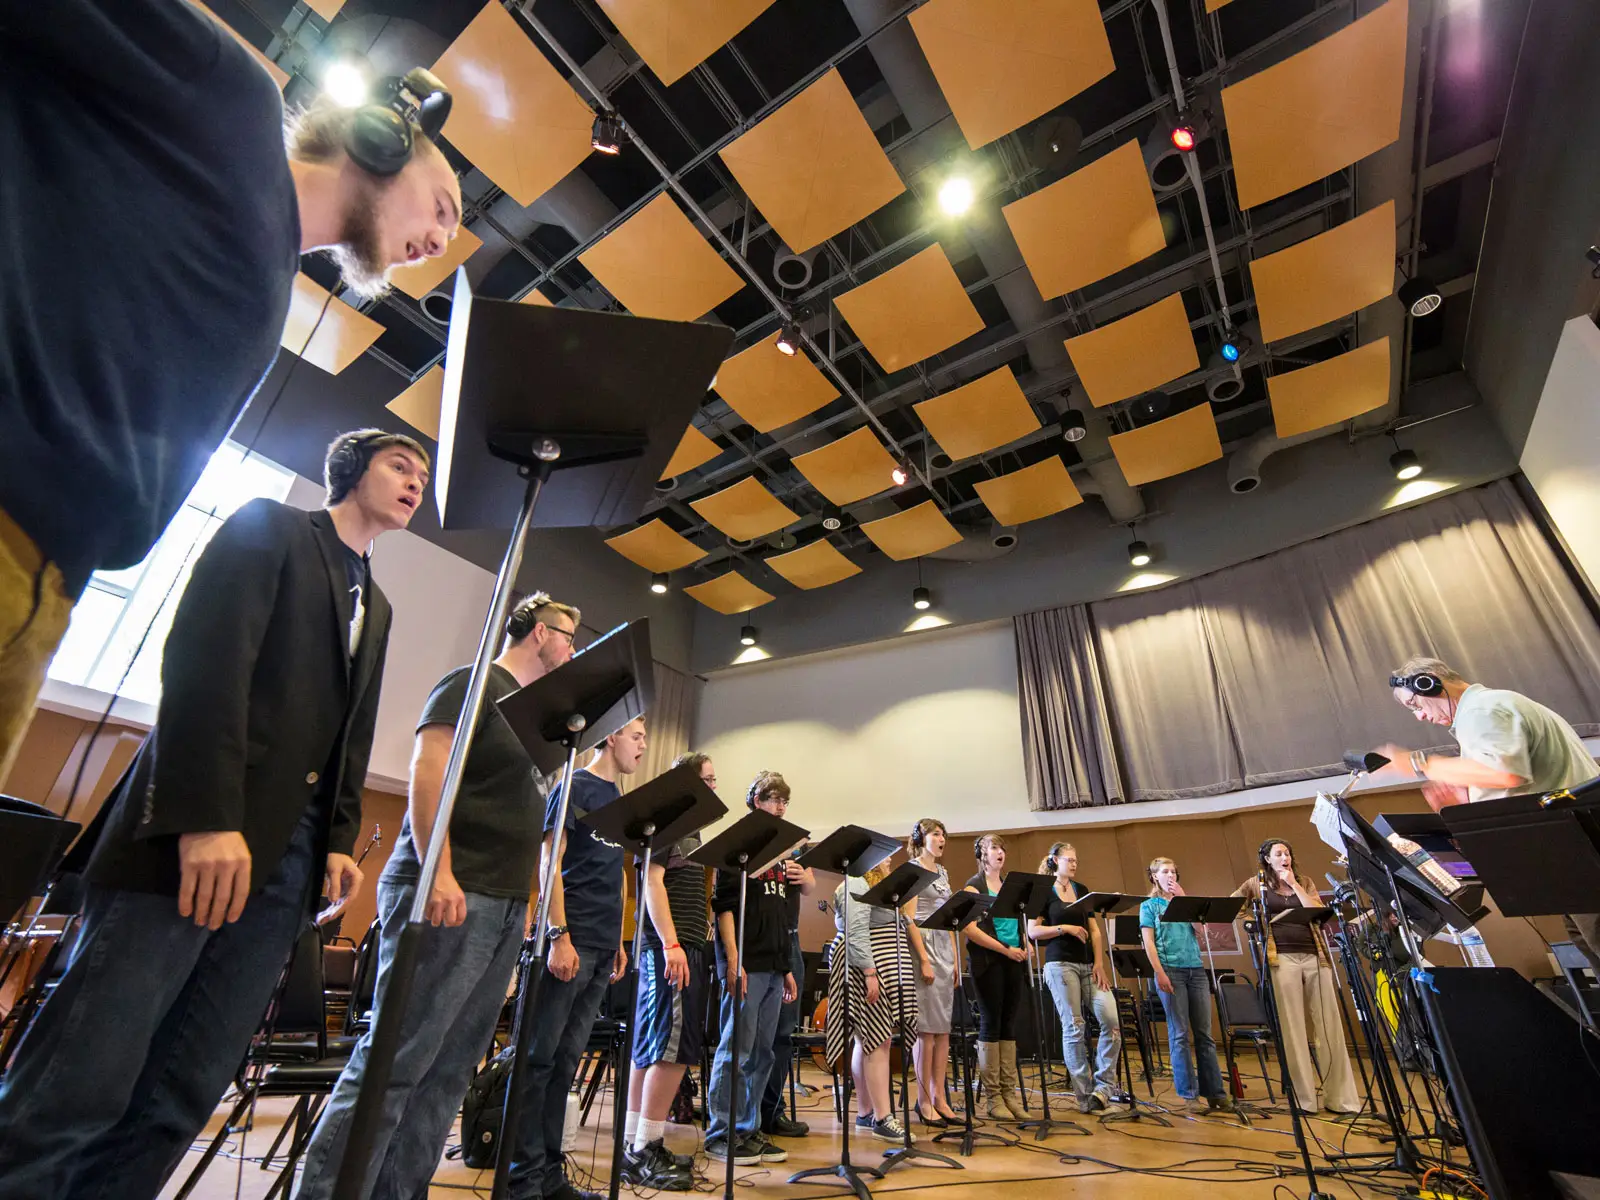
(1562, 455)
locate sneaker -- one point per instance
(744, 1153)
(865, 1124)
(567, 1191)
(890, 1130)
(782, 1126)
(770, 1151)
(653, 1168)
(1222, 1103)
(1196, 1105)
(1099, 1102)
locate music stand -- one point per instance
(954, 915)
(662, 812)
(746, 847)
(1135, 963)
(904, 883)
(581, 445)
(850, 851)
(1105, 905)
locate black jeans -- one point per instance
(1001, 985)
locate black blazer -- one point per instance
(261, 710)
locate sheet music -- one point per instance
(1325, 816)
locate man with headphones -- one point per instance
(478, 905)
(151, 227)
(243, 803)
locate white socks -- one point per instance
(629, 1124)
(648, 1131)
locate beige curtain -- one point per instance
(670, 723)
(1068, 755)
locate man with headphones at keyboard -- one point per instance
(151, 227)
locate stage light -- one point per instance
(901, 475)
(1184, 137)
(833, 522)
(1234, 345)
(1420, 296)
(747, 636)
(1138, 553)
(345, 84)
(1073, 426)
(921, 598)
(956, 195)
(606, 137)
(789, 338)
(658, 583)
(1406, 464)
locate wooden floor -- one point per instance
(1197, 1157)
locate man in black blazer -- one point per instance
(244, 798)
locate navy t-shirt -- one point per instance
(591, 867)
(149, 239)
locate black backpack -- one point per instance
(482, 1110)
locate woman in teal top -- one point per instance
(1000, 974)
(1184, 990)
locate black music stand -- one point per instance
(557, 416)
(31, 846)
(904, 883)
(850, 851)
(745, 848)
(954, 915)
(1134, 962)
(662, 812)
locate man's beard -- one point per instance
(359, 253)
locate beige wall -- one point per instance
(1559, 457)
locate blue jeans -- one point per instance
(1072, 986)
(1188, 1011)
(783, 1037)
(461, 980)
(761, 1004)
(127, 1060)
(561, 1026)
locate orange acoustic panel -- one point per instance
(341, 336)
(912, 533)
(1031, 493)
(1168, 447)
(771, 389)
(656, 546)
(1001, 63)
(814, 167)
(428, 274)
(852, 468)
(1320, 110)
(1095, 222)
(1328, 392)
(279, 75)
(1213, 5)
(1138, 352)
(729, 594)
(694, 449)
(911, 311)
(1326, 277)
(326, 9)
(538, 299)
(658, 265)
(745, 511)
(988, 412)
(513, 115)
(675, 36)
(418, 405)
(813, 566)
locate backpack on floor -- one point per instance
(481, 1111)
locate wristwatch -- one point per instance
(554, 932)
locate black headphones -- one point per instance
(1423, 683)
(346, 465)
(381, 135)
(526, 615)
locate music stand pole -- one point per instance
(1134, 1113)
(623, 1067)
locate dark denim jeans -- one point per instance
(1188, 1010)
(461, 980)
(763, 998)
(561, 1026)
(772, 1102)
(128, 1059)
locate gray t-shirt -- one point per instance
(495, 830)
(1508, 731)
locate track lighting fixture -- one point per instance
(1185, 137)
(901, 474)
(1420, 296)
(606, 137)
(1073, 426)
(658, 583)
(1234, 345)
(789, 338)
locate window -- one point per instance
(122, 609)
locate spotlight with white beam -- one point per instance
(1139, 553)
(788, 342)
(956, 195)
(901, 474)
(1406, 464)
(345, 83)
(921, 598)
(606, 137)
(748, 636)
(658, 583)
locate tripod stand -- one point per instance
(1133, 961)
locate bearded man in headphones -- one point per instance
(244, 801)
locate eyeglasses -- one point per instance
(570, 634)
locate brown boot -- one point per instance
(1009, 1081)
(989, 1080)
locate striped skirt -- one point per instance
(873, 1024)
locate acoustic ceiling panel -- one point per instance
(417, 281)
(658, 265)
(1326, 277)
(911, 311)
(745, 511)
(813, 566)
(1099, 220)
(513, 115)
(1031, 493)
(342, 336)
(852, 468)
(1001, 63)
(729, 594)
(656, 547)
(1213, 5)
(770, 389)
(988, 412)
(279, 75)
(1168, 447)
(694, 449)
(1320, 110)
(538, 299)
(326, 9)
(912, 533)
(1138, 352)
(675, 36)
(418, 405)
(1326, 393)
(814, 167)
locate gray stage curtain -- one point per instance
(670, 723)
(1068, 755)
(1268, 671)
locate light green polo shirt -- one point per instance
(1513, 733)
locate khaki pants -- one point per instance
(1305, 986)
(34, 607)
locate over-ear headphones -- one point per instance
(348, 460)
(1423, 683)
(526, 615)
(381, 136)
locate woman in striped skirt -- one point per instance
(880, 974)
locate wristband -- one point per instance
(675, 946)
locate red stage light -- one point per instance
(1183, 137)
